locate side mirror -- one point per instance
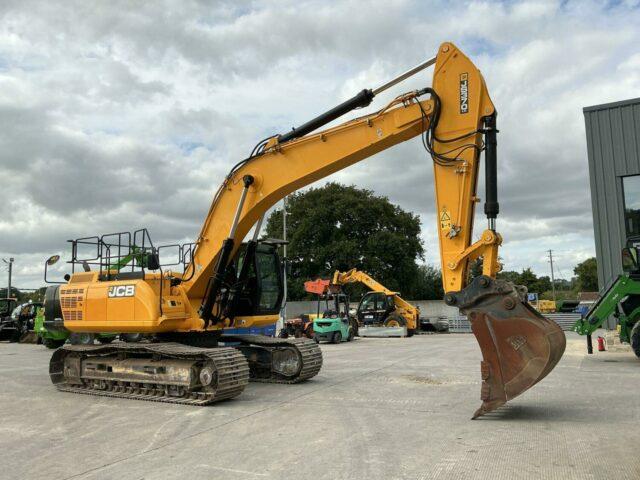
(629, 259)
(52, 260)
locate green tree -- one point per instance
(509, 276)
(528, 279)
(338, 227)
(587, 273)
(542, 285)
(429, 285)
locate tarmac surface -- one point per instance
(379, 409)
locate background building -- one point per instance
(613, 147)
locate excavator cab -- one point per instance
(262, 290)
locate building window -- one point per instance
(631, 189)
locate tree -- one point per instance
(587, 273)
(528, 279)
(338, 227)
(429, 285)
(543, 284)
(510, 276)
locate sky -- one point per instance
(120, 115)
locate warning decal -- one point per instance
(445, 220)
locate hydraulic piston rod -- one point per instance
(404, 76)
(215, 282)
(362, 99)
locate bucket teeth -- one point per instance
(485, 370)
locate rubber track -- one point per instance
(231, 367)
(308, 349)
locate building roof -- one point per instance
(606, 106)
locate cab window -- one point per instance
(269, 279)
(369, 302)
(374, 301)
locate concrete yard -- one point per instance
(380, 409)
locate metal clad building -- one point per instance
(613, 148)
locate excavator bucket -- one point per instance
(519, 346)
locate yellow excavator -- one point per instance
(380, 306)
(221, 283)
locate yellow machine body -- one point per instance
(133, 306)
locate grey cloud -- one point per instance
(121, 115)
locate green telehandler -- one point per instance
(622, 300)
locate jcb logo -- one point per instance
(118, 291)
(464, 93)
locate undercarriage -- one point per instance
(174, 372)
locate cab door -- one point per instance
(373, 308)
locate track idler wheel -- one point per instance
(519, 346)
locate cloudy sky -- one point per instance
(115, 116)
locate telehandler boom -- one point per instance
(399, 313)
(229, 284)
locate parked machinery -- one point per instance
(228, 284)
(7, 306)
(622, 300)
(303, 325)
(380, 306)
(546, 306)
(19, 326)
(332, 322)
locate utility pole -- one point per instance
(10, 267)
(553, 281)
(283, 311)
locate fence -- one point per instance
(565, 320)
(460, 323)
(437, 310)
